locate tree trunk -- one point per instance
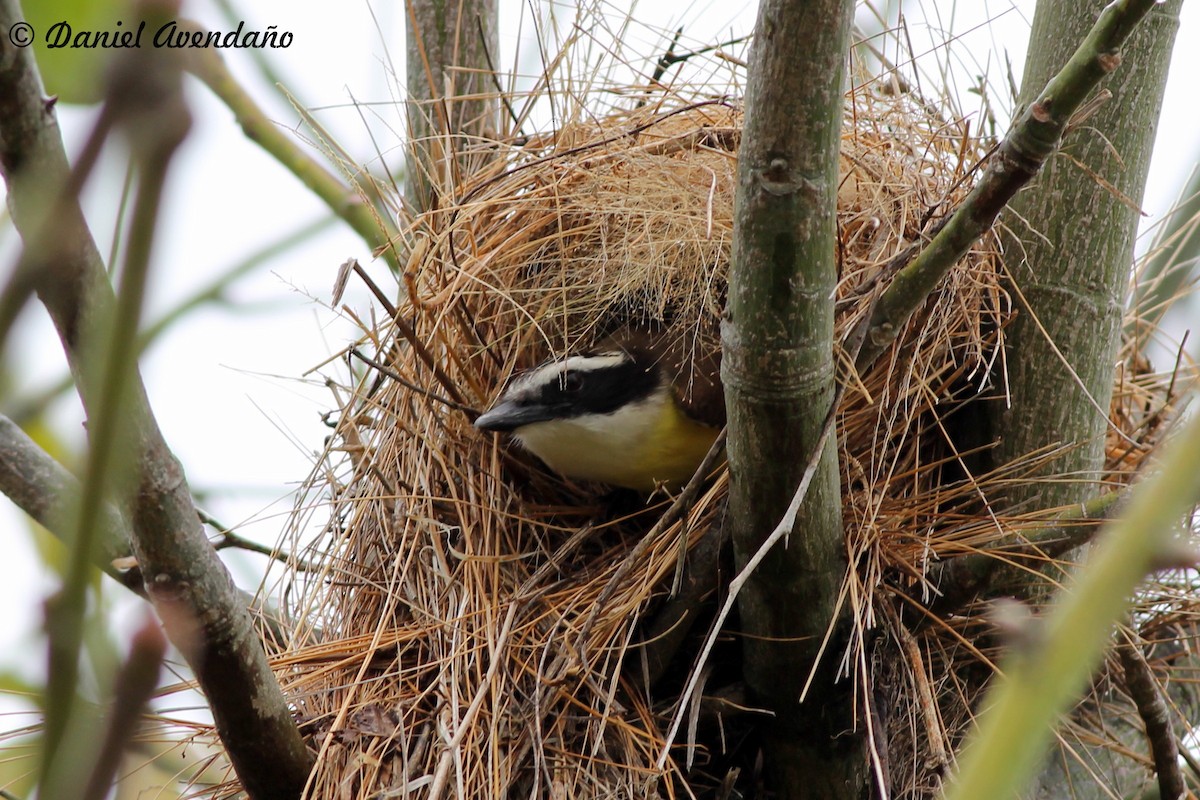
(1071, 258)
(1070, 255)
(451, 48)
(777, 367)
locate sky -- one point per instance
(233, 391)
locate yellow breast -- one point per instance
(638, 446)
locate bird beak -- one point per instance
(508, 415)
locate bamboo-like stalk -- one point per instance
(777, 367)
(1051, 663)
(1035, 135)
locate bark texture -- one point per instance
(778, 371)
(1073, 251)
(451, 48)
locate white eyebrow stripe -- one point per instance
(593, 362)
(554, 370)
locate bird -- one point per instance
(612, 414)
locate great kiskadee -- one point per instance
(611, 415)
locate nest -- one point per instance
(465, 625)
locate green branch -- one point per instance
(376, 229)
(1048, 669)
(215, 292)
(1034, 138)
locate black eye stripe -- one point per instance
(600, 390)
(571, 382)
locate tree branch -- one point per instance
(992, 571)
(376, 229)
(1047, 670)
(1143, 688)
(777, 369)
(42, 488)
(1035, 136)
(187, 583)
(136, 683)
(1069, 252)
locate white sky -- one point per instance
(225, 386)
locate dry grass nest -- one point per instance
(460, 632)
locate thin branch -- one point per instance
(965, 577)
(66, 608)
(1143, 688)
(1045, 674)
(670, 58)
(1032, 140)
(376, 229)
(189, 586)
(113, 336)
(232, 539)
(215, 292)
(135, 686)
(667, 59)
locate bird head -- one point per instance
(611, 416)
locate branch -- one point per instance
(376, 230)
(1048, 670)
(232, 539)
(1143, 688)
(142, 98)
(777, 340)
(215, 292)
(187, 583)
(1035, 136)
(965, 577)
(136, 683)
(42, 488)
